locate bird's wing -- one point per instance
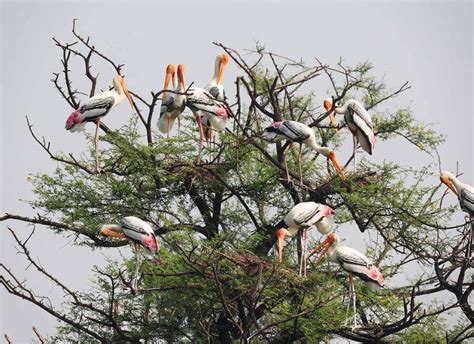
(133, 227)
(308, 215)
(295, 131)
(364, 125)
(167, 104)
(361, 112)
(97, 107)
(350, 258)
(201, 100)
(466, 198)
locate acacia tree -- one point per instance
(215, 220)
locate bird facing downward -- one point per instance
(300, 133)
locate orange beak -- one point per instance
(449, 184)
(169, 74)
(110, 233)
(332, 157)
(328, 105)
(181, 76)
(326, 244)
(280, 236)
(222, 63)
(127, 94)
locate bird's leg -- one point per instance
(201, 137)
(97, 168)
(470, 243)
(300, 272)
(354, 141)
(169, 128)
(351, 282)
(288, 179)
(305, 250)
(299, 163)
(137, 269)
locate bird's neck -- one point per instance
(311, 141)
(342, 109)
(216, 71)
(457, 184)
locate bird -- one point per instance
(465, 195)
(352, 261)
(203, 104)
(97, 107)
(172, 105)
(303, 215)
(359, 122)
(301, 133)
(216, 89)
(139, 232)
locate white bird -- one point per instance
(97, 107)
(203, 104)
(301, 133)
(353, 262)
(359, 122)
(303, 215)
(139, 232)
(465, 195)
(172, 105)
(216, 89)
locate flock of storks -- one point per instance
(212, 112)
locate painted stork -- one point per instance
(352, 261)
(216, 89)
(465, 195)
(97, 107)
(203, 104)
(139, 232)
(303, 216)
(172, 105)
(298, 132)
(359, 122)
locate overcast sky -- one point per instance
(426, 43)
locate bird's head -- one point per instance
(181, 76)
(223, 59)
(73, 120)
(281, 233)
(446, 178)
(170, 71)
(149, 242)
(327, 103)
(331, 155)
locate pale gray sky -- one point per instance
(426, 43)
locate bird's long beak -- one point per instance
(332, 157)
(181, 76)
(448, 183)
(111, 233)
(326, 244)
(280, 237)
(328, 105)
(222, 62)
(169, 74)
(127, 94)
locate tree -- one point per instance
(219, 281)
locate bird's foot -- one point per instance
(99, 170)
(155, 260)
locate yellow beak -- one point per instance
(110, 233)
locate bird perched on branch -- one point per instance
(216, 89)
(139, 232)
(300, 133)
(359, 122)
(465, 195)
(303, 216)
(203, 104)
(352, 261)
(97, 107)
(173, 104)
